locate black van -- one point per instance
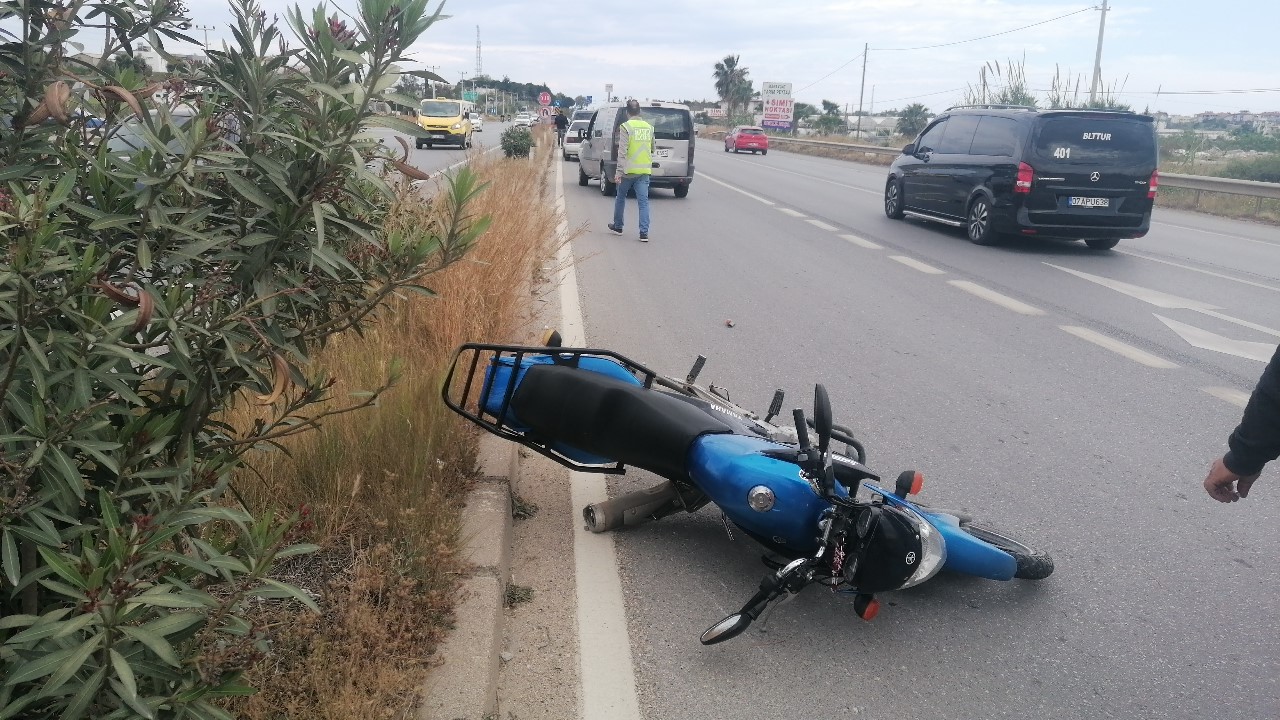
(999, 170)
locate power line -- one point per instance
(957, 42)
(833, 72)
(984, 37)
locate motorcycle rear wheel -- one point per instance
(1032, 564)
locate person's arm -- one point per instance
(1254, 443)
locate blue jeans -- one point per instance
(641, 184)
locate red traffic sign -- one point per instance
(544, 98)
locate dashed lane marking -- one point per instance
(1141, 357)
(757, 198)
(821, 225)
(917, 265)
(992, 296)
(862, 242)
(1231, 395)
(792, 213)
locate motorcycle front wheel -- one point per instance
(1032, 564)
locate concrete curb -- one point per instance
(465, 686)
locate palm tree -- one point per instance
(732, 84)
(912, 119)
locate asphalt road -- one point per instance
(435, 159)
(1073, 398)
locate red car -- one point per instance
(747, 137)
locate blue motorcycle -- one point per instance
(823, 514)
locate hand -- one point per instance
(1226, 486)
(617, 179)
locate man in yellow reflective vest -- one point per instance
(635, 166)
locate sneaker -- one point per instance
(644, 237)
(616, 229)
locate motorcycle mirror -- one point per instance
(726, 629)
(822, 416)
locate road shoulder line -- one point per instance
(757, 198)
(604, 647)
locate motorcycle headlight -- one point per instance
(933, 550)
(900, 549)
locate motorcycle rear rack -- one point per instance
(465, 385)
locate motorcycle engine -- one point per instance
(884, 549)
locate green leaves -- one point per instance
(157, 265)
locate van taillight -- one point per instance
(1025, 175)
(1154, 185)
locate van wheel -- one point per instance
(582, 178)
(607, 188)
(468, 142)
(1102, 243)
(682, 191)
(893, 200)
(979, 224)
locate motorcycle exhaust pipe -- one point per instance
(631, 509)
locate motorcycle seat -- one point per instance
(605, 416)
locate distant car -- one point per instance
(573, 137)
(523, 119)
(747, 137)
(477, 122)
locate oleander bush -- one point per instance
(178, 248)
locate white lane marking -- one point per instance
(821, 225)
(757, 198)
(861, 242)
(1231, 395)
(1244, 323)
(1139, 356)
(1147, 295)
(820, 179)
(916, 264)
(992, 296)
(1205, 340)
(1165, 300)
(792, 213)
(604, 647)
(1211, 273)
(1214, 232)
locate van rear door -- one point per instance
(1092, 169)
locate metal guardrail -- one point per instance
(1199, 183)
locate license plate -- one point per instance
(438, 136)
(662, 154)
(1089, 202)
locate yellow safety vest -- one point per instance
(639, 157)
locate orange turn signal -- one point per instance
(917, 483)
(870, 611)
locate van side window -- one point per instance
(932, 138)
(996, 136)
(959, 135)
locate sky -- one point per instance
(667, 49)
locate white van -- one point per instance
(672, 158)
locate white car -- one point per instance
(477, 122)
(523, 119)
(573, 138)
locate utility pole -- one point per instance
(1097, 57)
(479, 65)
(432, 83)
(206, 29)
(865, 48)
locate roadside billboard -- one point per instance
(778, 105)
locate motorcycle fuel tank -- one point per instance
(729, 467)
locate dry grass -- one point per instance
(386, 483)
(1233, 206)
